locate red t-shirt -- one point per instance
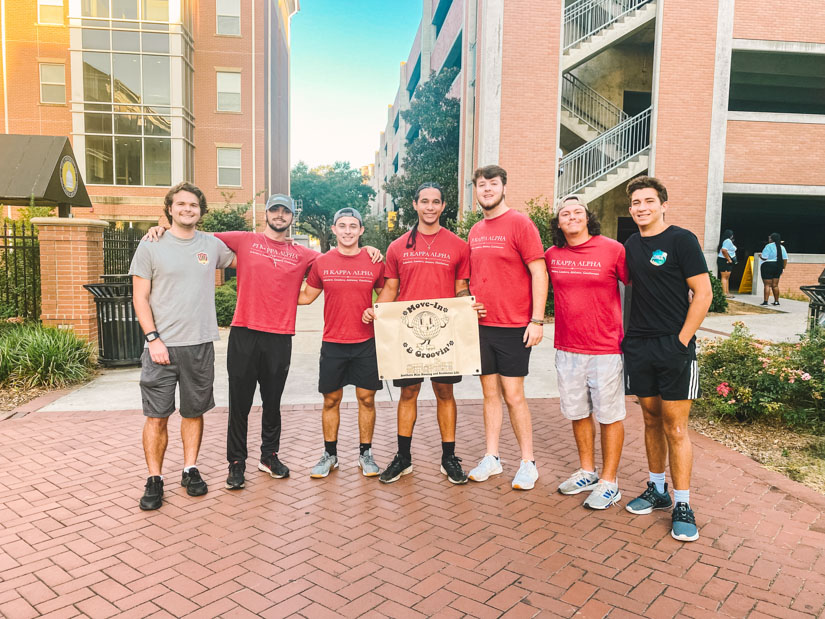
(428, 270)
(269, 280)
(347, 282)
(500, 249)
(588, 305)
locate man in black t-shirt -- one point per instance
(666, 265)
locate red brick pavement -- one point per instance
(74, 543)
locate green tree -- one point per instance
(432, 154)
(323, 191)
(228, 217)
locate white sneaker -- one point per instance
(603, 495)
(526, 477)
(580, 481)
(489, 465)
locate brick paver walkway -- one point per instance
(73, 541)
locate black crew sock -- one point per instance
(331, 447)
(447, 449)
(404, 443)
(363, 447)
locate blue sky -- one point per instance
(346, 56)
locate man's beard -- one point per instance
(272, 226)
(490, 207)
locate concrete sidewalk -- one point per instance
(118, 389)
(787, 324)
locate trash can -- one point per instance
(816, 307)
(119, 336)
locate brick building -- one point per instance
(153, 92)
(723, 100)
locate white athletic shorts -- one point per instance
(591, 384)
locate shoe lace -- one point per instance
(650, 493)
(604, 489)
(683, 513)
(452, 460)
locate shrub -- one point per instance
(37, 356)
(225, 299)
(747, 379)
(719, 302)
(378, 235)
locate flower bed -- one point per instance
(746, 378)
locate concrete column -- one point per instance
(718, 129)
(71, 254)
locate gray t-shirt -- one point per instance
(182, 272)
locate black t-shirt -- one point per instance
(659, 266)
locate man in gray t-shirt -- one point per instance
(174, 298)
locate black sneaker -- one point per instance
(649, 500)
(398, 467)
(193, 482)
(451, 467)
(684, 524)
(270, 464)
(153, 495)
(235, 480)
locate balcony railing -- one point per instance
(607, 152)
(588, 105)
(584, 18)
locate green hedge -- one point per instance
(35, 356)
(226, 297)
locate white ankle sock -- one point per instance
(659, 480)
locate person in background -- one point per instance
(774, 261)
(725, 260)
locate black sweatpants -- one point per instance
(255, 358)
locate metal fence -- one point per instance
(607, 152)
(588, 105)
(584, 18)
(118, 248)
(19, 271)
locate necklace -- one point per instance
(430, 243)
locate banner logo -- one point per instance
(425, 326)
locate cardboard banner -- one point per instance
(435, 337)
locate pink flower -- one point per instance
(805, 376)
(732, 401)
(791, 380)
(723, 389)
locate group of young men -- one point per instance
(503, 265)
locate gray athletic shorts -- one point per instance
(591, 384)
(191, 367)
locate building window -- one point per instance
(229, 17)
(50, 11)
(229, 167)
(229, 91)
(52, 83)
(126, 118)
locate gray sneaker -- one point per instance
(324, 466)
(580, 481)
(368, 466)
(604, 495)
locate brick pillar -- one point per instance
(71, 254)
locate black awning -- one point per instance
(42, 167)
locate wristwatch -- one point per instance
(537, 322)
(152, 336)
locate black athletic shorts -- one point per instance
(503, 351)
(770, 270)
(408, 382)
(723, 266)
(348, 364)
(661, 366)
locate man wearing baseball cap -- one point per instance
(585, 270)
(271, 269)
(347, 276)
